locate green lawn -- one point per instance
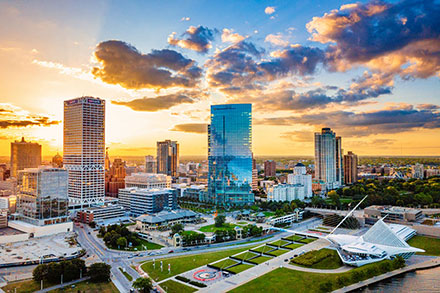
(242, 223)
(184, 263)
(260, 259)
(278, 252)
(171, 286)
(245, 255)
(269, 214)
(213, 228)
(224, 263)
(263, 249)
(141, 247)
(127, 275)
(319, 259)
(31, 286)
(240, 268)
(287, 279)
(294, 238)
(430, 245)
(280, 242)
(307, 240)
(293, 245)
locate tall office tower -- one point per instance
(107, 160)
(150, 164)
(230, 155)
(84, 150)
(270, 168)
(350, 168)
(339, 161)
(42, 196)
(115, 178)
(167, 157)
(327, 154)
(254, 174)
(24, 155)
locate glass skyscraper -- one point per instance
(328, 158)
(230, 155)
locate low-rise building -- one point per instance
(165, 219)
(3, 218)
(195, 192)
(393, 214)
(296, 216)
(286, 192)
(140, 201)
(148, 180)
(100, 213)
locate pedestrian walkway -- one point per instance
(342, 269)
(63, 285)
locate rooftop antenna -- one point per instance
(348, 215)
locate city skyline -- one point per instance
(297, 63)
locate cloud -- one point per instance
(160, 102)
(123, 64)
(228, 36)
(299, 136)
(185, 19)
(15, 117)
(277, 40)
(428, 107)
(199, 128)
(365, 123)
(401, 38)
(197, 38)
(269, 10)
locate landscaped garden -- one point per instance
(223, 264)
(315, 282)
(185, 263)
(278, 252)
(319, 259)
(429, 244)
(260, 259)
(280, 243)
(171, 286)
(307, 240)
(263, 249)
(239, 268)
(213, 228)
(293, 246)
(294, 238)
(245, 255)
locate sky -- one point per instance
(370, 70)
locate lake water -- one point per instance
(418, 281)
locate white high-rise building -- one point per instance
(286, 192)
(301, 177)
(417, 171)
(148, 180)
(84, 150)
(328, 158)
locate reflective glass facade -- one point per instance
(230, 155)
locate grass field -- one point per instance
(319, 259)
(127, 275)
(306, 281)
(430, 245)
(31, 286)
(171, 286)
(269, 214)
(90, 287)
(242, 223)
(278, 252)
(293, 245)
(184, 263)
(224, 263)
(294, 238)
(245, 255)
(263, 249)
(307, 240)
(280, 243)
(213, 228)
(260, 259)
(142, 244)
(240, 268)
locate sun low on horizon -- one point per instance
(370, 70)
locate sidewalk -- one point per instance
(64, 284)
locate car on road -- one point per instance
(171, 251)
(286, 260)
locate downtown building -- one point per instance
(168, 158)
(148, 180)
(328, 159)
(84, 150)
(230, 155)
(150, 164)
(350, 168)
(24, 155)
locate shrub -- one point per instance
(326, 286)
(183, 279)
(198, 284)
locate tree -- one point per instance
(99, 272)
(220, 220)
(143, 285)
(176, 228)
(40, 273)
(334, 196)
(92, 224)
(122, 242)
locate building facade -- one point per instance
(270, 168)
(168, 157)
(115, 178)
(84, 150)
(417, 171)
(24, 155)
(148, 180)
(138, 201)
(328, 159)
(150, 164)
(350, 168)
(300, 177)
(42, 196)
(230, 155)
(286, 192)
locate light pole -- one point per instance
(61, 279)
